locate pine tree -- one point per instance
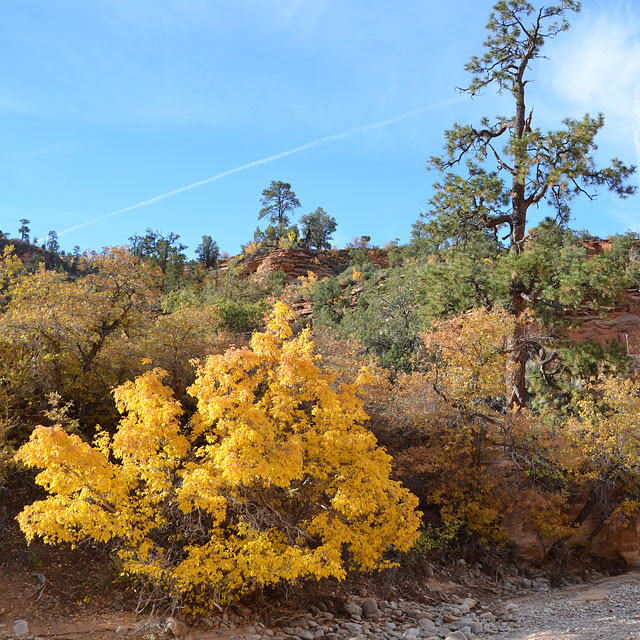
(508, 164)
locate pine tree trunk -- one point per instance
(516, 386)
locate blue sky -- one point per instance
(108, 103)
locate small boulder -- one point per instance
(353, 609)
(476, 627)
(456, 635)
(370, 609)
(352, 627)
(425, 623)
(177, 628)
(21, 628)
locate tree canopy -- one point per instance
(506, 166)
(316, 230)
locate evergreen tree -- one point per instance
(164, 251)
(24, 230)
(208, 252)
(53, 246)
(316, 230)
(510, 164)
(278, 204)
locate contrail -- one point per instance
(256, 163)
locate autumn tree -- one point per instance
(451, 408)
(509, 164)
(74, 337)
(173, 340)
(273, 479)
(599, 448)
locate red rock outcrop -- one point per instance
(611, 543)
(296, 263)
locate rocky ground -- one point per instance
(460, 606)
(608, 609)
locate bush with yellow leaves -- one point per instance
(273, 478)
(449, 409)
(599, 446)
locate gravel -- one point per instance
(606, 610)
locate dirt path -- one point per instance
(606, 610)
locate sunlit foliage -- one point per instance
(273, 478)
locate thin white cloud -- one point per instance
(597, 69)
(636, 128)
(272, 158)
(597, 64)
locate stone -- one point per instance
(593, 595)
(300, 622)
(303, 634)
(20, 628)
(425, 614)
(176, 627)
(352, 627)
(353, 609)
(370, 609)
(456, 635)
(476, 627)
(512, 606)
(425, 623)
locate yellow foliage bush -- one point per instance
(600, 448)
(273, 478)
(449, 408)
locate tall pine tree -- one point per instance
(495, 172)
